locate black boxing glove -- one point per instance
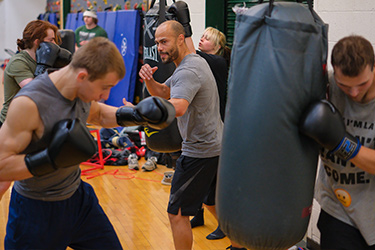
(63, 58)
(70, 145)
(181, 10)
(46, 56)
(323, 123)
(152, 111)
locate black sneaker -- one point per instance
(235, 248)
(198, 219)
(216, 235)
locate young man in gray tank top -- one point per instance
(345, 187)
(50, 206)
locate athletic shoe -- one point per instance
(296, 248)
(167, 179)
(235, 248)
(198, 219)
(133, 162)
(216, 235)
(150, 164)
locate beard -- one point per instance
(171, 56)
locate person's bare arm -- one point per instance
(154, 88)
(180, 105)
(4, 185)
(103, 115)
(365, 159)
(24, 82)
(22, 124)
(190, 45)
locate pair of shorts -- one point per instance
(193, 180)
(78, 222)
(335, 234)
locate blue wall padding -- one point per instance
(126, 39)
(110, 24)
(123, 28)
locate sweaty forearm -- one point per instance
(13, 168)
(157, 89)
(102, 115)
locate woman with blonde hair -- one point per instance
(213, 41)
(212, 47)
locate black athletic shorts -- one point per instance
(335, 234)
(193, 180)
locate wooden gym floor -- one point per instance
(136, 204)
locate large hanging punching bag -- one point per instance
(169, 139)
(267, 168)
(153, 18)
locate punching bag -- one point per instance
(67, 39)
(267, 168)
(153, 18)
(169, 139)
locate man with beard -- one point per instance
(192, 91)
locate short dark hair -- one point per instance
(352, 54)
(99, 57)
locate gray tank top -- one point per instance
(343, 190)
(53, 107)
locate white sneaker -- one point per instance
(133, 161)
(167, 179)
(150, 164)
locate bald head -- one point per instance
(173, 26)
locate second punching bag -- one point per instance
(169, 139)
(153, 18)
(67, 39)
(267, 168)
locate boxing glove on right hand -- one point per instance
(323, 123)
(153, 111)
(70, 145)
(63, 58)
(46, 56)
(181, 10)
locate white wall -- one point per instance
(198, 20)
(14, 15)
(347, 17)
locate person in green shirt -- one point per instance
(21, 67)
(90, 30)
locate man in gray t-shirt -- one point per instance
(345, 187)
(192, 91)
